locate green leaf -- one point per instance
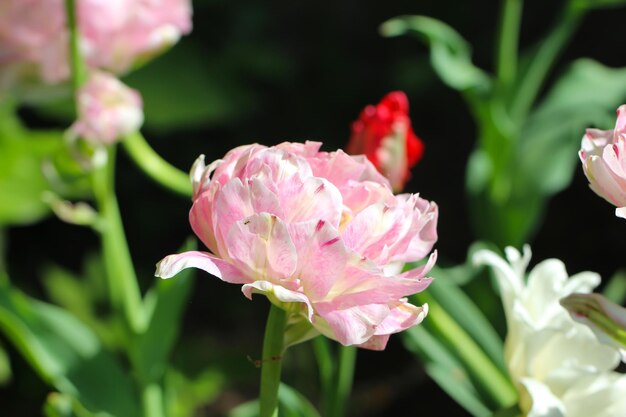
(83, 296)
(450, 54)
(166, 299)
(5, 367)
(445, 369)
(291, 404)
(586, 95)
(66, 354)
(599, 4)
(185, 395)
(463, 310)
(22, 155)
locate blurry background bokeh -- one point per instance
(273, 71)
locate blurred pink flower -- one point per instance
(320, 234)
(603, 155)
(108, 110)
(115, 35)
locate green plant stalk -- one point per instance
(325, 366)
(152, 398)
(156, 167)
(345, 376)
(487, 374)
(542, 62)
(125, 294)
(508, 39)
(78, 71)
(271, 361)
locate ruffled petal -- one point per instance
(278, 295)
(173, 264)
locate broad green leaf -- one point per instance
(82, 296)
(22, 155)
(184, 395)
(463, 310)
(450, 54)
(167, 299)
(291, 404)
(585, 96)
(445, 369)
(66, 354)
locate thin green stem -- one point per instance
(271, 361)
(325, 366)
(77, 65)
(152, 398)
(345, 376)
(487, 374)
(2, 255)
(125, 294)
(156, 167)
(506, 65)
(543, 60)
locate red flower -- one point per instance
(384, 134)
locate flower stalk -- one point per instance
(345, 375)
(508, 41)
(77, 65)
(125, 294)
(156, 167)
(271, 361)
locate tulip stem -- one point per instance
(325, 367)
(508, 41)
(551, 47)
(77, 66)
(125, 294)
(152, 398)
(155, 166)
(344, 377)
(271, 361)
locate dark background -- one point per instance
(296, 71)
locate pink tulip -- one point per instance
(114, 35)
(320, 234)
(603, 155)
(108, 110)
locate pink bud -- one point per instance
(108, 110)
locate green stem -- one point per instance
(271, 361)
(3, 239)
(506, 65)
(345, 376)
(77, 65)
(125, 294)
(152, 398)
(543, 61)
(156, 167)
(487, 374)
(325, 366)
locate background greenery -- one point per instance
(275, 71)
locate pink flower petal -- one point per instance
(173, 264)
(277, 294)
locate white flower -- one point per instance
(558, 366)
